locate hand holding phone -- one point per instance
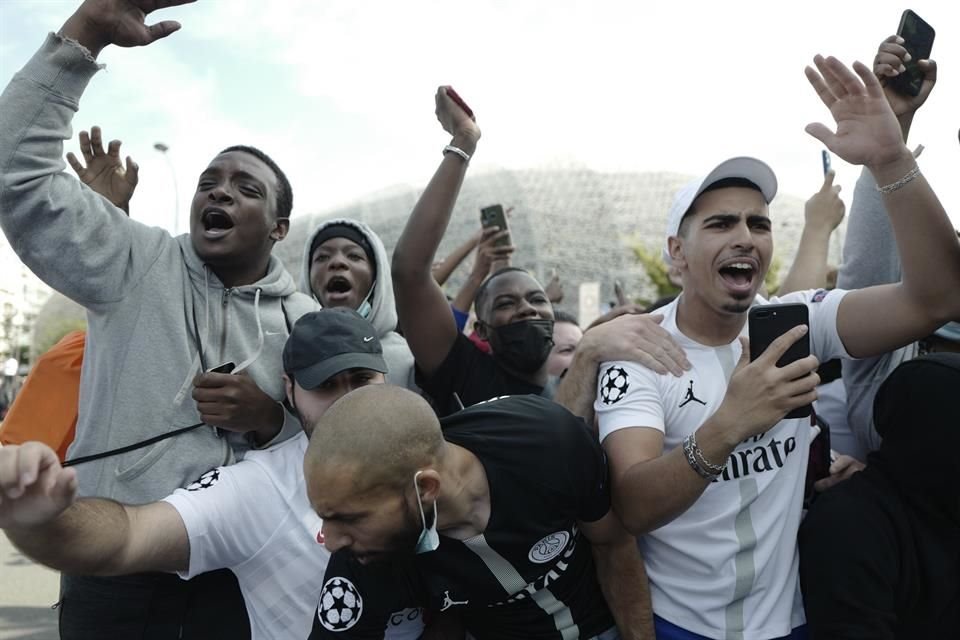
(918, 41)
(766, 324)
(226, 367)
(458, 120)
(493, 216)
(459, 101)
(760, 393)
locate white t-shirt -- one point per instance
(727, 567)
(254, 518)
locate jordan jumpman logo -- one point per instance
(449, 602)
(690, 397)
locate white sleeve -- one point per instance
(226, 512)
(628, 395)
(825, 342)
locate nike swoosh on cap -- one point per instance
(368, 339)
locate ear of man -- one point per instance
(280, 229)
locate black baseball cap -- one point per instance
(326, 342)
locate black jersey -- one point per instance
(530, 574)
(474, 376)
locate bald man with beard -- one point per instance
(500, 512)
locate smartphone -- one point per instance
(460, 103)
(825, 158)
(493, 216)
(226, 367)
(918, 41)
(767, 323)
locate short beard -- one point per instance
(403, 542)
(737, 307)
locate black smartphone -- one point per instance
(226, 367)
(767, 323)
(493, 216)
(825, 159)
(918, 41)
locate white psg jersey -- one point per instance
(728, 566)
(254, 518)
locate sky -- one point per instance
(340, 92)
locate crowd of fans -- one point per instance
(230, 453)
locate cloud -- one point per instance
(341, 92)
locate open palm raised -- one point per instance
(867, 130)
(98, 23)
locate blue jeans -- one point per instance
(669, 631)
(153, 606)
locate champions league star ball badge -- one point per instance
(613, 385)
(340, 605)
(206, 481)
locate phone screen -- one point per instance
(918, 41)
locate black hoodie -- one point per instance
(880, 553)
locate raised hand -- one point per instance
(104, 172)
(621, 295)
(34, 488)
(554, 288)
(455, 121)
(889, 63)
(490, 257)
(98, 23)
(867, 131)
(825, 209)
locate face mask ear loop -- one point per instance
(423, 515)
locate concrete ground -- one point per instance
(27, 592)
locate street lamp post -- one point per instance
(163, 148)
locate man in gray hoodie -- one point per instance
(345, 265)
(161, 312)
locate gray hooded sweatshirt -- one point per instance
(383, 309)
(148, 296)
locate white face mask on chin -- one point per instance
(366, 307)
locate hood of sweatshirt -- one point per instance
(383, 309)
(276, 284)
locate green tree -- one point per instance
(657, 271)
(51, 334)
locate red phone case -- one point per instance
(456, 98)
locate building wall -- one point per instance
(21, 296)
(581, 222)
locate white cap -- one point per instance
(756, 171)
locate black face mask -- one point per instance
(523, 346)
